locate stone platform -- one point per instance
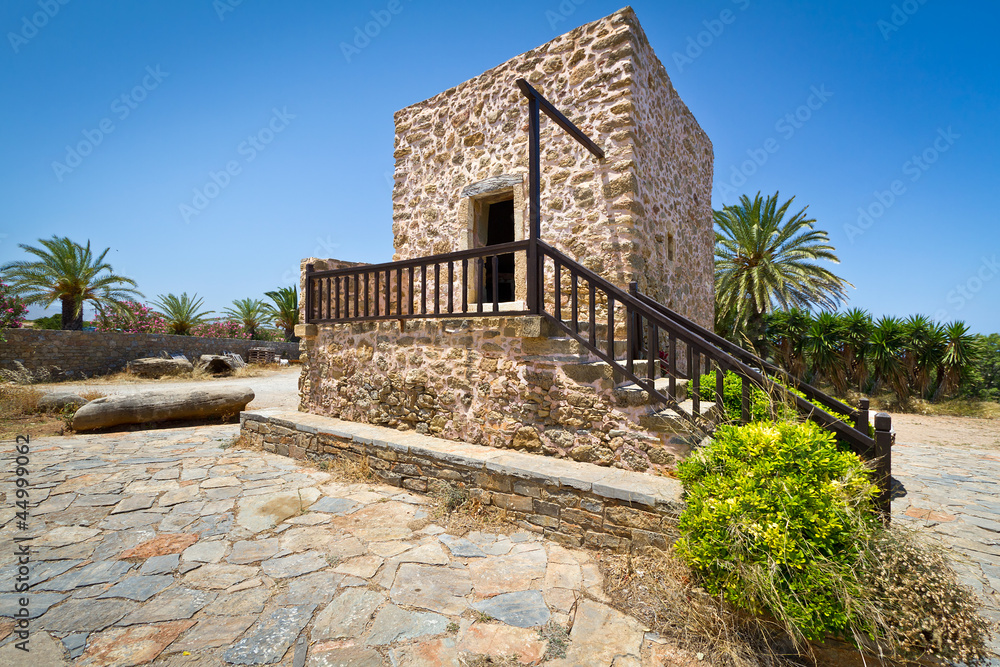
(577, 504)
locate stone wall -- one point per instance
(617, 216)
(493, 381)
(573, 504)
(71, 354)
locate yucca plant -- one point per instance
(764, 262)
(857, 329)
(786, 336)
(70, 273)
(182, 313)
(251, 313)
(961, 352)
(285, 311)
(825, 344)
(923, 351)
(885, 355)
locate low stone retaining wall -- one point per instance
(577, 504)
(85, 353)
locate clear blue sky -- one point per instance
(183, 84)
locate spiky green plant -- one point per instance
(786, 334)
(885, 354)
(825, 343)
(923, 350)
(285, 311)
(182, 313)
(251, 313)
(961, 352)
(71, 273)
(857, 328)
(764, 261)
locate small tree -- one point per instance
(12, 310)
(285, 310)
(250, 312)
(130, 317)
(181, 313)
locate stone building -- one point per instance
(642, 213)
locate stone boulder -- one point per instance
(57, 401)
(154, 367)
(216, 364)
(162, 405)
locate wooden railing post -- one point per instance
(883, 464)
(534, 269)
(861, 422)
(309, 293)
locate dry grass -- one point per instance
(357, 471)
(658, 589)
(197, 375)
(459, 512)
(19, 414)
(489, 661)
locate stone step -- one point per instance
(595, 371)
(669, 420)
(633, 394)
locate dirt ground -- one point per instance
(952, 431)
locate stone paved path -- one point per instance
(953, 495)
(161, 547)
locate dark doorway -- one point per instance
(500, 229)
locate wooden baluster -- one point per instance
(630, 335)
(652, 335)
(611, 326)
(377, 294)
(744, 400)
(480, 284)
(496, 284)
(465, 285)
(409, 294)
(593, 314)
(720, 388)
(399, 291)
(437, 289)
(367, 300)
(423, 289)
(336, 297)
(451, 288)
(558, 287)
(573, 300)
(672, 363)
(696, 382)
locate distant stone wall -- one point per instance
(497, 381)
(73, 354)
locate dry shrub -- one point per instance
(348, 469)
(489, 661)
(461, 512)
(658, 588)
(91, 394)
(924, 608)
(18, 401)
(21, 375)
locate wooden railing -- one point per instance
(463, 283)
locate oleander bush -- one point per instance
(780, 523)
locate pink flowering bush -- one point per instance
(221, 329)
(12, 308)
(132, 317)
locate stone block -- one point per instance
(512, 502)
(544, 521)
(548, 509)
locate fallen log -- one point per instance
(161, 405)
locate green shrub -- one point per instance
(772, 521)
(779, 522)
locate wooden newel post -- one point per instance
(308, 294)
(861, 422)
(883, 463)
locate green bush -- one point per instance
(772, 522)
(779, 522)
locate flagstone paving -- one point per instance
(163, 548)
(952, 495)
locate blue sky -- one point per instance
(882, 117)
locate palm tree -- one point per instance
(763, 262)
(285, 310)
(181, 312)
(249, 312)
(825, 342)
(71, 273)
